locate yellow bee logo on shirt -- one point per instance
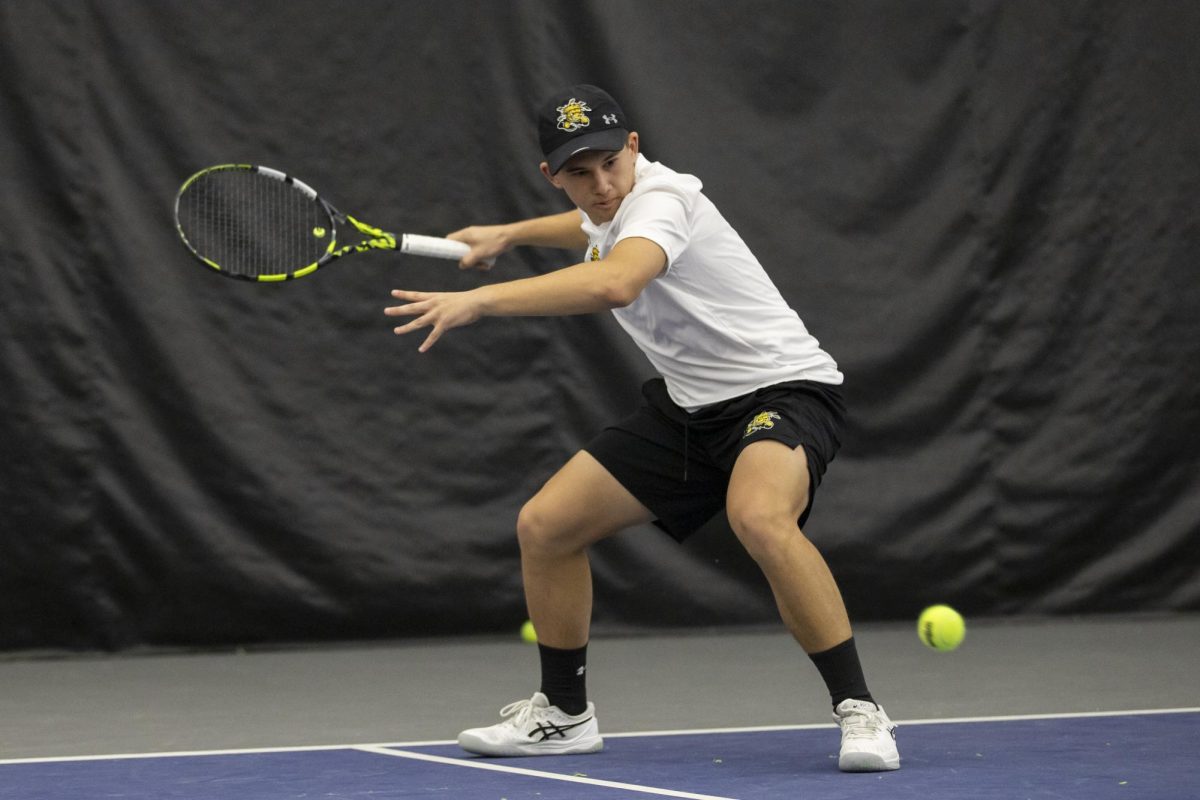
(764, 420)
(571, 116)
(595, 254)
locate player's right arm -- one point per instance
(563, 231)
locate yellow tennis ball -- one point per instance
(941, 627)
(528, 634)
(319, 232)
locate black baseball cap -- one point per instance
(578, 118)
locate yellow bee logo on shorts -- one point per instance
(571, 116)
(764, 420)
(595, 254)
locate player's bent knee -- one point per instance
(531, 528)
(538, 534)
(762, 532)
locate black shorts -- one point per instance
(678, 464)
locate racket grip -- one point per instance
(433, 246)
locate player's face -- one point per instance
(597, 180)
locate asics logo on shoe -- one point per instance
(549, 730)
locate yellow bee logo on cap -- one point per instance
(764, 420)
(571, 116)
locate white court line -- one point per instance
(903, 722)
(630, 734)
(557, 776)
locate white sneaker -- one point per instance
(868, 738)
(535, 728)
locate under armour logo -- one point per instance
(580, 671)
(610, 119)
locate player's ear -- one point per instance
(548, 175)
(632, 142)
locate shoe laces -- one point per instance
(863, 724)
(517, 713)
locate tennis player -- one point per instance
(745, 417)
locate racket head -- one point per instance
(255, 223)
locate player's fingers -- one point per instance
(478, 258)
(420, 301)
(405, 294)
(422, 321)
(433, 336)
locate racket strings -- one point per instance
(251, 225)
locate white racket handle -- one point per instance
(433, 246)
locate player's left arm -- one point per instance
(613, 282)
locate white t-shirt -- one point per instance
(713, 324)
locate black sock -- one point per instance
(564, 678)
(843, 674)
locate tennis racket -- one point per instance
(259, 224)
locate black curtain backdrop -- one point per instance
(986, 211)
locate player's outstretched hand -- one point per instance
(440, 311)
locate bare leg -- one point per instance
(767, 493)
(580, 505)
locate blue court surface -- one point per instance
(1146, 754)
